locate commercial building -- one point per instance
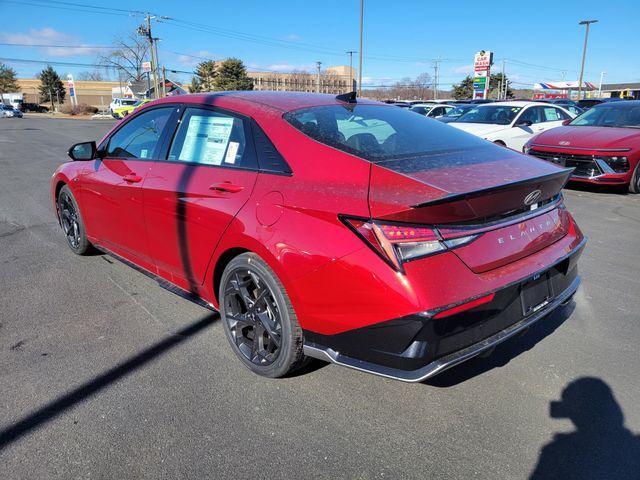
(333, 80)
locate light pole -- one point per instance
(360, 52)
(318, 65)
(602, 74)
(584, 52)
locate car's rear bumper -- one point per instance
(416, 347)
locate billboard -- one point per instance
(482, 62)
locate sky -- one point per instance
(539, 41)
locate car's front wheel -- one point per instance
(71, 222)
(634, 185)
(259, 319)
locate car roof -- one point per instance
(264, 100)
(620, 104)
(517, 103)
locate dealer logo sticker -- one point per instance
(564, 143)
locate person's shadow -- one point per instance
(600, 447)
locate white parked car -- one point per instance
(7, 111)
(119, 103)
(432, 110)
(511, 124)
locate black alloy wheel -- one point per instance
(259, 319)
(253, 317)
(71, 222)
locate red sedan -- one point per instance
(602, 145)
(327, 227)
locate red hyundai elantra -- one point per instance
(602, 145)
(329, 227)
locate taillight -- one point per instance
(399, 243)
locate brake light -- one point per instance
(399, 243)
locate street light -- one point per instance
(360, 52)
(584, 52)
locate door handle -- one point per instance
(132, 178)
(226, 187)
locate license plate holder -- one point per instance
(536, 294)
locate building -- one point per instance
(621, 90)
(97, 94)
(333, 80)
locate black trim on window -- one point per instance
(269, 158)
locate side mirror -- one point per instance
(83, 151)
(523, 123)
(566, 122)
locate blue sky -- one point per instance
(539, 40)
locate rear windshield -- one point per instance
(378, 133)
(610, 116)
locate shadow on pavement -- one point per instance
(93, 386)
(504, 352)
(590, 187)
(600, 447)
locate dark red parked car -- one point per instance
(329, 227)
(602, 145)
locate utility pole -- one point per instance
(146, 32)
(351, 79)
(318, 65)
(503, 84)
(436, 72)
(360, 52)
(602, 74)
(584, 52)
(158, 77)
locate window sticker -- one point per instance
(206, 139)
(232, 151)
(143, 153)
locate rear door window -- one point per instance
(209, 137)
(553, 114)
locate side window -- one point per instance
(553, 114)
(532, 114)
(139, 137)
(211, 138)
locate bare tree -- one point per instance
(126, 59)
(302, 81)
(95, 76)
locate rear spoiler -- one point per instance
(456, 197)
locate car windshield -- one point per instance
(493, 114)
(610, 116)
(129, 102)
(422, 110)
(380, 133)
(458, 111)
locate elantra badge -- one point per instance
(532, 197)
(564, 143)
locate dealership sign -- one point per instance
(72, 90)
(481, 72)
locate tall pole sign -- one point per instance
(72, 90)
(481, 74)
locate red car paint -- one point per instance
(180, 221)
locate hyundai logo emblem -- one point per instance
(532, 197)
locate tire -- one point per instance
(277, 349)
(634, 185)
(71, 222)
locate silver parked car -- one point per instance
(7, 111)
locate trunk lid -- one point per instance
(492, 191)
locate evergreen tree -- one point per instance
(464, 89)
(205, 77)
(232, 75)
(195, 86)
(51, 87)
(8, 81)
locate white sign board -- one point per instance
(72, 90)
(146, 67)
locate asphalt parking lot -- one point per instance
(103, 374)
